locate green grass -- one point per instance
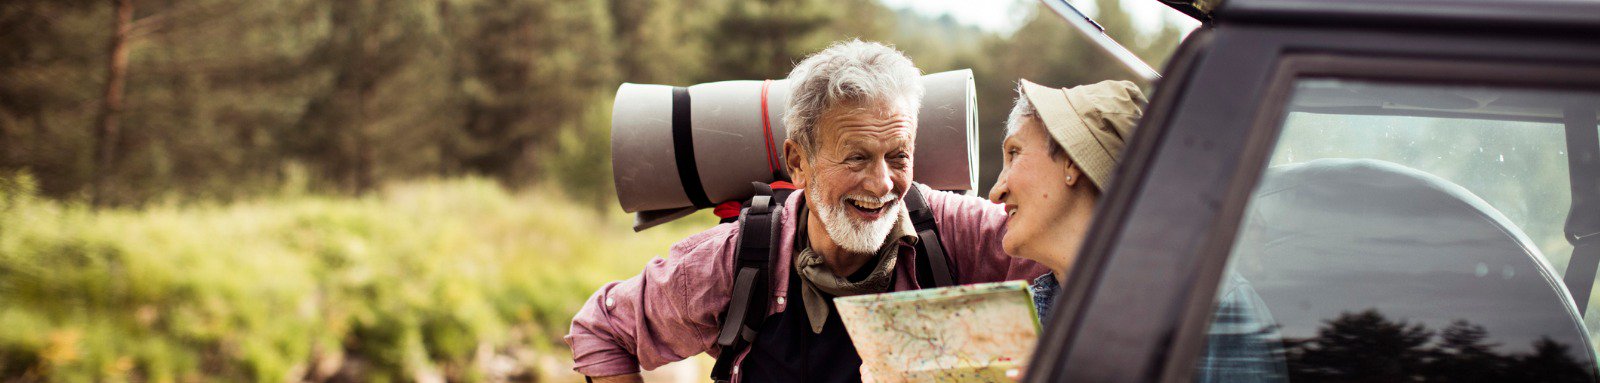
(457, 279)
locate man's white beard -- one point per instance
(855, 236)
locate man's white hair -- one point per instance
(851, 71)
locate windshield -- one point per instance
(1407, 231)
(1506, 146)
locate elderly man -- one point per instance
(852, 123)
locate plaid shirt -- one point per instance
(1242, 345)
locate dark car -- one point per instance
(1408, 189)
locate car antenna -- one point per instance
(1097, 34)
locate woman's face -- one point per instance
(1035, 187)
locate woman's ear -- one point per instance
(1074, 175)
(794, 160)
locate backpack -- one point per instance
(758, 222)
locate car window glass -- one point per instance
(1406, 232)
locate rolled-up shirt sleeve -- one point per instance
(971, 229)
(665, 314)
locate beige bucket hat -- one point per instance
(1092, 122)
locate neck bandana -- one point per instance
(817, 278)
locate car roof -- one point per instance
(1562, 14)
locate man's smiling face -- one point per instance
(861, 168)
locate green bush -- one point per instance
(430, 279)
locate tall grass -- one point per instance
(445, 279)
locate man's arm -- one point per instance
(665, 314)
(970, 228)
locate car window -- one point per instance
(1406, 232)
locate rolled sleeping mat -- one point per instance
(675, 150)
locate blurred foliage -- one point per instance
(224, 97)
(459, 280)
(378, 191)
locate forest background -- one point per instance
(297, 190)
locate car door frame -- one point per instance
(1136, 304)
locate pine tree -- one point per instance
(762, 39)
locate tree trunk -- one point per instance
(41, 133)
(366, 85)
(106, 133)
(10, 158)
(366, 156)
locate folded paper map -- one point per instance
(973, 333)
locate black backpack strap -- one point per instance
(747, 306)
(779, 195)
(937, 267)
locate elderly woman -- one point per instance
(1061, 149)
